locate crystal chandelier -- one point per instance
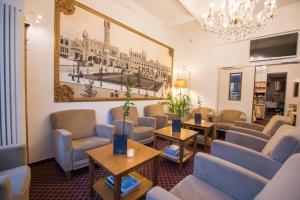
(238, 18)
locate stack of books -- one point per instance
(173, 151)
(128, 184)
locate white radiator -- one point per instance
(10, 23)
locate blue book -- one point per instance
(128, 183)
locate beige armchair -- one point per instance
(157, 111)
(203, 111)
(15, 175)
(265, 132)
(136, 128)
(75, 132)
(226, 119)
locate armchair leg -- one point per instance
(68, 175)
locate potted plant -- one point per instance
(120, 140)
(178, 105)
(198, 114)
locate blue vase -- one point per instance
(197, 118)
(176, 125)
(119, 144)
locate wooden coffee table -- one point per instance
(205, 126)
(120, 165)
(183, 138)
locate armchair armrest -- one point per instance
(105, 130)
(244, 157)
(17, 152)
(147, 121)
(242, 117)
(63, 148)
(227, 177)
(158, 193)
(128, 127)
(251, 132)
(245, 140)
(5, 188)
(161, 121)
(248, 125)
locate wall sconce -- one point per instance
(33, 17)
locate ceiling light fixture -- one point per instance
(237, 18)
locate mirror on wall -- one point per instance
(276, 92)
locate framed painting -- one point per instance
(96, 57)
(235, 86)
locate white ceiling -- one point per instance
(182, 15)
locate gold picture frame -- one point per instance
(116, 69)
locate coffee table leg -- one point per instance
(117, 187)
(91, 176)
(155, 141)
(155, 170)
(195, 144)
(206, 131)
(181, 155)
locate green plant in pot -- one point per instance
(198, 114)
(179, 105)
(120, 140)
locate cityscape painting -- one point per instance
(95, 61)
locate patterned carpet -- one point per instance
(48, 180)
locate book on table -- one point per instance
(173, 152)
(128, 184)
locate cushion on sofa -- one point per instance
(82, 145)
(20, 180)
(193, 188)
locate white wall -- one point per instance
(206, 53)
(41, 68)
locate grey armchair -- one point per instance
(264, 157)
(75, 132)
(137, 128)
(157, 111)
(265, 132)
(15, 175)
(226, 119)
(217, 179)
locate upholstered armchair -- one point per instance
(75, 132)
(203, 111)
(264, 157)
(217, 179)
(15, 175)
(226, 119)
(265, 132)
(136, 128)
(157, 111)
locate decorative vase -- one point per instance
(197, 118)
(176, 125)
(120, 144)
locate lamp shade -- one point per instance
(180, 83)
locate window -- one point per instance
(235, 86)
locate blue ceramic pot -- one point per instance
(120, 144)
(197, 118)
(176, 125)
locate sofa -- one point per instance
(204, 111)
(265, 132)
(75, 132)
(217, 179)
(136, 128)
(157, 111)
(264, 157)
(226, 119)
(15, 175)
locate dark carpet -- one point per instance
(48, 180)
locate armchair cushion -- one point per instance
(81, 123)
(147, 121)
(117, 114)
(153, 110)
(142, 132)
(284, 143)
(223, 126)
(82, 145)
(19, 179)
(192, 187)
